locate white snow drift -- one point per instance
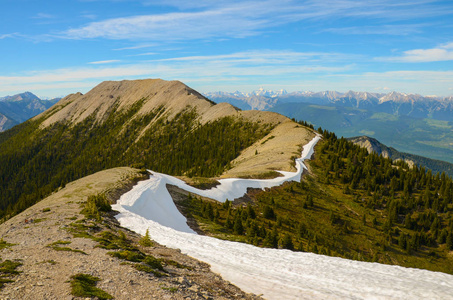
(277, 274)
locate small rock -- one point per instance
(182, 280)
(194, 288)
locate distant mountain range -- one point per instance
(400, 104)
(21, 107)
(411, 123)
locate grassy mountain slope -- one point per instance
(425, 137)
(164, 126)
(352, 204)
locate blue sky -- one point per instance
(53, 48)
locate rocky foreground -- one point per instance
(53, 241)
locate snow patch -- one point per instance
(275, 273)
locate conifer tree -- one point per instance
(145, 241)
(449, 241)
(238, 227)
(287, 242)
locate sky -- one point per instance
(57, 47)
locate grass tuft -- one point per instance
(56, 246)
(8, 271)
(84, 285)
(4, 244)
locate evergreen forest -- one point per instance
(34, 161)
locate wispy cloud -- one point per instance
(101, 62)
(379, 30)
(144, 54)
(422, 82)
(43, 16)
(8, 35)
(135, 47)
(441, 53)
(230, 67)
(239, 19)
(73, 79)
(171, 26)
(267, 57)
(89, 16)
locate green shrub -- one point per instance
(153, 262)
(128, 255)
(148, 269)
(7, 271)
(4, 244)
(84, 285)
(56, 246)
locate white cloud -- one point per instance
(104, 62)
(447, 46)
(378, 30)
(267, 57)
(135, 47)
(89, 16)
(238, 19)
(219, 68)
(171, 26)
(144, 54)
(43, 16)
(441, 53)
(422, 82)
(311, 70)
(8, 35)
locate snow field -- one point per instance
(275, 273)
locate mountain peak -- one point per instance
(20, 97)
(172, 95)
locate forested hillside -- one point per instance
(352, 204)
(35, 162)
